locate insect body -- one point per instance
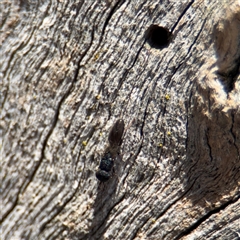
(105, 168)
(115, 139)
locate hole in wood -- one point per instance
(158, 37)
(227, 41)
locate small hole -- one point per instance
(158, 37)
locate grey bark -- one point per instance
(70, 69)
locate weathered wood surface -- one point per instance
(70, 69)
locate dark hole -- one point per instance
(226, 42)
(158, 37)
(229, 78)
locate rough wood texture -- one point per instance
(70, 69)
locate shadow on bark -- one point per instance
(226, 42)
(104, 202)
(213, 147)
(213, 162)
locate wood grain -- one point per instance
(70, 69)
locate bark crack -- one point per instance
(110, 16)
(181, 15)
(54, 122)
(195, 225)
(14, 204)
(89, 235)
(58, 209)
(185, 58)
(163, 212)
(117, 5)
(233, 134)
(209, 146)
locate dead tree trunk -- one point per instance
(169, 69)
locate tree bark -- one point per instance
(170, 70)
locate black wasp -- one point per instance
(105, 168)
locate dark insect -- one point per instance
(115, 139)
(105, 168)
